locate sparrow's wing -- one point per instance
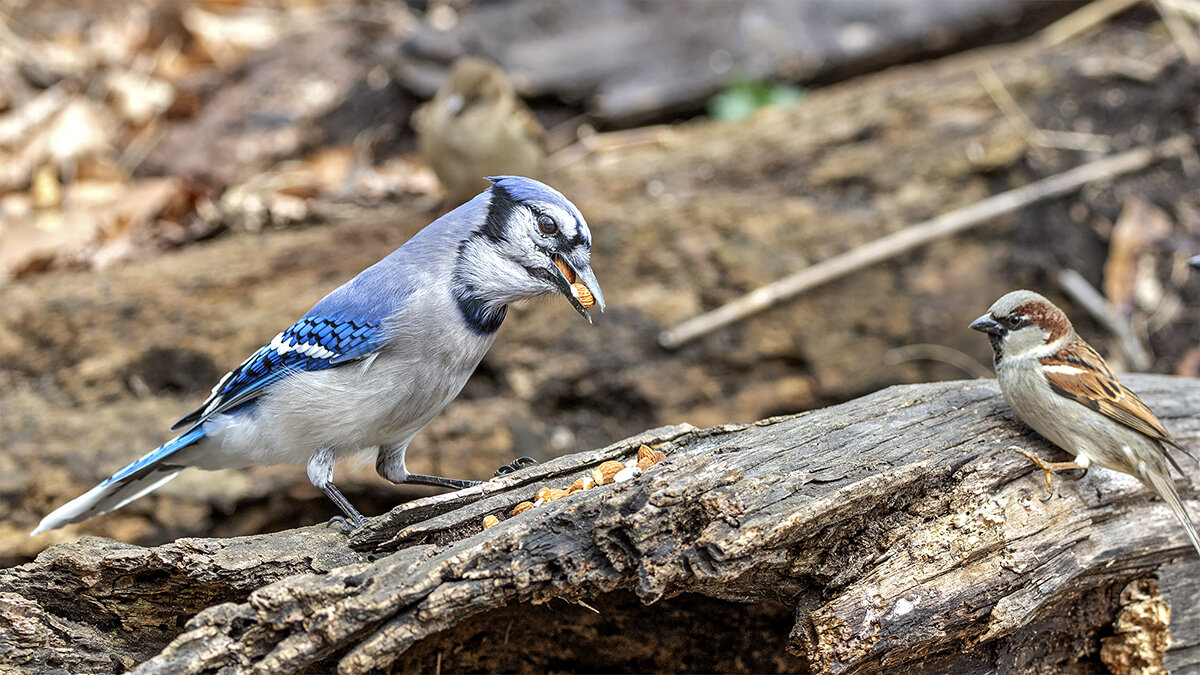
(1079, 373)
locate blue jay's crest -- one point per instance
(312, 343)
(531, 192)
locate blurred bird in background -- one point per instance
(378, 358)
(1059, 385)
(477, 126)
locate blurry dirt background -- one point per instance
(181, 180)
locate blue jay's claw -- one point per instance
(335, 495)
(515, 465)
(346, 525)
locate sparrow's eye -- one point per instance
(547, 225)
(1012, 322)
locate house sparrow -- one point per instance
(1062, 388)
(477, 126)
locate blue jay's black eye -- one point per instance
(547, 225)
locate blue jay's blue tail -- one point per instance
(127, 484)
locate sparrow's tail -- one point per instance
(1165, 487)
(127, 484)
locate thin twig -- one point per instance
(591, 142)
(1095, 304)
(1189, 8)
(1181, 33)
(1034, 135)
(140, 147)
(939, 353)
(918, 235)
(18, 124)
(1091, 14)
(586, 606)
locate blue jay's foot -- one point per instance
(346, 525)
(1048, 468)
(515, 465)
(353, 519)
(438, 481)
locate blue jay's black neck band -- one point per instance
(500, 210)
(476, 314)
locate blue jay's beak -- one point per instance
(579, 285)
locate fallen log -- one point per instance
(895, 532)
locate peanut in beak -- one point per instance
(578, 290)
(583, 295)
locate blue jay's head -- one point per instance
(532, 242)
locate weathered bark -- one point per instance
(94, 365)
(897, 529)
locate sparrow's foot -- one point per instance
(515, 465)
(1048, 468)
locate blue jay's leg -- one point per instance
(515, 465)
(320, 472)
(390, 464)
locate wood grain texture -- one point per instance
(896, 528)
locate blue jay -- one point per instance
(378, 358)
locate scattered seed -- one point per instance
(628, 473)
(603, 474)
(585, 483)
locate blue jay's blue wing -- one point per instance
(312, 343)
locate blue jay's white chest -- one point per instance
(417, 385)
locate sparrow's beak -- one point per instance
(986, 324)
(579, 285)
(1195, 262)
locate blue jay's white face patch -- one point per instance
(530, 242)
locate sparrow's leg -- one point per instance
(1048, 468)
(515, 465)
